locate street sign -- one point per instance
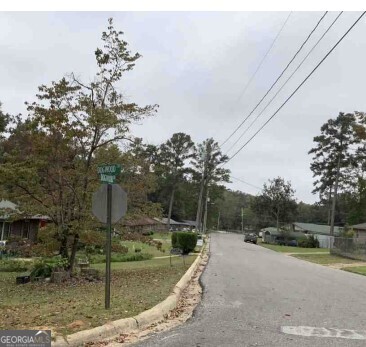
(119, 203)
(109, 172)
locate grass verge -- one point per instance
(135, 287)
(288, 249)
(361, 270)
(324, 259)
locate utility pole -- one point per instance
(204, 182)
(242, 223)
(205, 216)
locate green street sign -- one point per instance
(109, 172)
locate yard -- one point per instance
(325, 259)
(361, 270)
(79, 305)
(289, 249)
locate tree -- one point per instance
(172, 160)
(332, 158)
(207, 163)
(277, 201)
(66, 126)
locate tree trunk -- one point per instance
(73, 253)
(335, 196)
(62, 237)
(171, 207)
(329, 205)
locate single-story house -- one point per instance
(321, 232)
(143, 224)
(174, 225)
(15, 224)
(192, 224)
(272, 235)
(359, 230)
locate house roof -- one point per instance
(273, 231)
(8, 208)
(172, 222)
(190, 222)
(141, 221)
(361, 226)
(317, 228)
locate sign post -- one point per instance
(108, 249)
(109, 206)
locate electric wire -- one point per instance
(275, 82)
(247, 183)
(283, 85)
(299, 86)
(264, 58)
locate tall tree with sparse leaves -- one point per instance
(68, 123)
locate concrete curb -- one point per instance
(128, 325)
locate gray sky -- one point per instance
(195, 65)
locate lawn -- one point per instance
(325, 259)
(34, 305)
(361, 270)
(288, 249)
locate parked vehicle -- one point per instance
(250, 238)
(282, 242)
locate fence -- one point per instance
(354, 248)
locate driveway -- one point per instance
(256, 297)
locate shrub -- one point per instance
(41, 269)
(308, 242)
(116, 257)
(186, 241)
(44, 268)
(13, 266)
(118, 248)
(175, 240)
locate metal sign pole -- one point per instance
(108, 248)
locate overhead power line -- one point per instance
(264, 58)
(249, 184)
(283, 85)
(299, 86)
(275, 82)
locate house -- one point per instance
(192, 224)
(321, 232)
(174, 225)
(272, 235)
(13, 223)
(359, 230)
(143, 224)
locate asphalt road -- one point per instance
(250, 293)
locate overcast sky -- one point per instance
(195, 66)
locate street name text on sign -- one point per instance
(108, 173)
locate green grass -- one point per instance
(288, 249)
(135, 287)
(361, 270)
(324, 259)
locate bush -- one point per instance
(308, 242)
(120, 258)
(148, 233)
(186, 241)
(175, 240)
(41, 269)
(118, 248)
(13, 266)
(44, 268)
